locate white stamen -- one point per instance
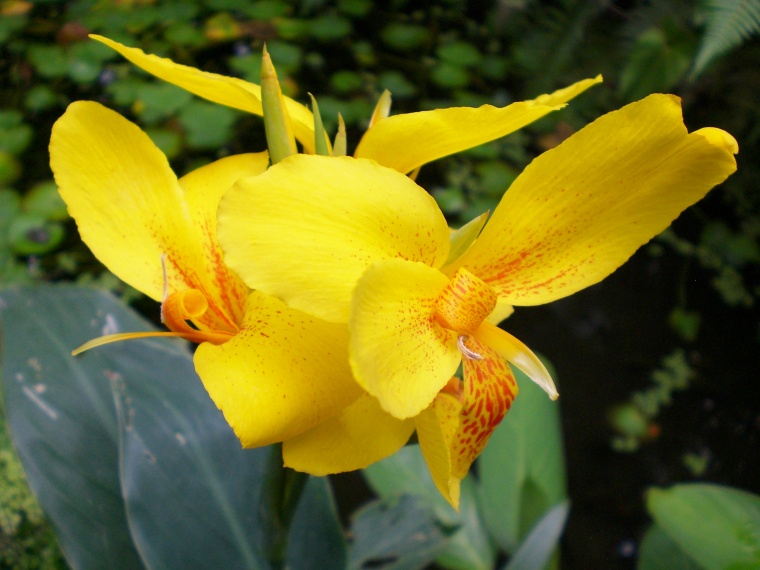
(468, 353)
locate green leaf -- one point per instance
(32, 234)
(729, 23)
(727, 535)
(327, 28)
(191, 495)
(659, 60)
(405, 37)
(400, 534)
(62, 420)
(659, 552)
(406, 473)
(44, 200)
(207, 125)
(449, 75)
(459, 53)
(537, 549)
(522, 471)
(316, 536)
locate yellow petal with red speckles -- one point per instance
(436, 427)
(282, 374)
(203, 188)
(306, 229)
(399, 352)
(580, 210)
(464, 303)
(358, 436)
(229, 91)
(488, 392)
(405, 142)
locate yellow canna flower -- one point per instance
(424, 136)
(275, 372)
(351, 241)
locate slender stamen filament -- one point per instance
(467, 352)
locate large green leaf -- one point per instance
(406, 473)
(522, 470)
(193, 497)
(537, 549)
(659, 552)
(395, 534)
(718, 527)
(62, 421)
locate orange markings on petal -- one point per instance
(465, 302)
(489, 390)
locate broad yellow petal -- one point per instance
(358, 436)
(405, 142)
(282, 374)
(203, 188)
(128, 205)
(436, 427)
(229, 91)
(399, 352)
(580, 210)
(306, 229)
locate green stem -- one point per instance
(283, 488)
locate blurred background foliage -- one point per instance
(346, 52)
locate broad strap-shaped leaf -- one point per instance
(521, 470)
(726, 535)
(62, 419)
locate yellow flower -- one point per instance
(424, 136)
(275, 372)
(350, 241)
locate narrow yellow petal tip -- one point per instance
(341, 142)
(382, 109)
(719, 138)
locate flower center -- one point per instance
(187, 305)
(464, 303)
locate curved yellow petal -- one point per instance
(306, 229)
(517, 353)
(203, 188)
(128, 205)
(358, 436)
(501, 312)
(229, 91)
(405, 142)
(580, 210)
(436, 427)
(399, 352)
(282, 374)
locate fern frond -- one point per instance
(729, 24)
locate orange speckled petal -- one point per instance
(405, 142)
(282, 374)
(203, 189)
(580, 210)
(307, 228)
(399, 352)
(358, 436)
(489, 389)
(229, 91)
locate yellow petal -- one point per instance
(436, 427)
(282, 374)
(306, 229)
(405, 142)
(517, 353)
(501, 312)
(203, 189)
(358, 436)
(220, 89)
(580, 210)
(464, 237)
(399, 352)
